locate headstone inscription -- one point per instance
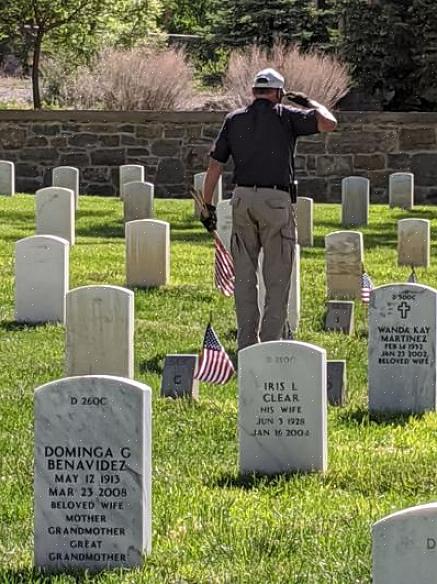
(198, 186)
(402, 349)
(41, 279)
(147, 253)
(414, 236)
(55, 213)
(294, 298)
(138, 201)
(304, 219)
(355, 195)
(282, 409)
(404, 546)
(340, 316)
(336, 382)
(92, 474)
(401, 190)
(100, 331)
(344, 261)
(68, 178)
(224, 222)
(7, 178)
(130, 173)
(178, 377)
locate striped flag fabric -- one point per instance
(214, 365)
(224, 273)
(366, 287)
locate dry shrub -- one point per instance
(141, 78)
(322, 77)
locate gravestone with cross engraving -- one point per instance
(402, 349)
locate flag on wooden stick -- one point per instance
(366, 287)
(215, 365)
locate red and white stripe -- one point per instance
(224, 271)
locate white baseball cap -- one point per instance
(269, 78)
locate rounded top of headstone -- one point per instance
(147, 222)
(100, 289)
(86, 381)
(413, 219)
(281, 346)
(426, 510)
(54, 239)
(342, 234)
(406, 285)
(55, 190)
(356, 179)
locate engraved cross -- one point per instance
(404, 309)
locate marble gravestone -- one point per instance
(344, 262)
(401, 190)
(224, 222)
(68, 178)
(147, 253)
(294, 298)
(198, 186)
(138, 199)
(7, 178)
(92, 474)
(355, 195)
(340, 316)
(130, 173)
(402, 349)
(404, 547)
(55, 213)
(100, 331)
(304, 220)
(178, 377)
(41, 279)
(414, 236)
(282, 408)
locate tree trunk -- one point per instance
(35, 70)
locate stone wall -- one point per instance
(174, 145)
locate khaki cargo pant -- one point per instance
(262, 218)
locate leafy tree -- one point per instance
(57, 23)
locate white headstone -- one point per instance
(7, 178)
(130, 173)
(282, 408)
(138, 201)
(294, 298)
(401, 190)
(355, 195)
(92, 474)
(198, 186)
(402, 349)
(304, 219)
(224, 222)
(100, 331)
(55, 213)
(414, 242)
(404, 547)
(147, 253)
(344, 261)
(41, 279)
(68, 178)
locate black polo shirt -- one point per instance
(261, 140)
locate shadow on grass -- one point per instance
(362, 417)
(13, 325)
(115, 230)
(35, 576)
(154, 365)
(197, 236)
(250, 481)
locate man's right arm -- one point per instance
(219, 155)
(213, 173)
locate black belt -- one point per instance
(285, 188)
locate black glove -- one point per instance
(210, 220)
(298, 98)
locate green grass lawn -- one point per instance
(210, 526)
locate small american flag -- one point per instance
(214, 364)
(412, 278)
(224, 272)
(366, 287)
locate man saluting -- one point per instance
(261, 140)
